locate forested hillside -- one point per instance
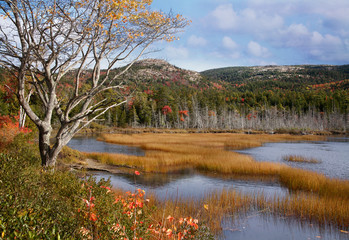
(265, 98)
(272, 98)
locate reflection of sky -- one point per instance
(334, 156)
(92, 145)
(192, 186)
(258, 226)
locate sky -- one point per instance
(227, 33)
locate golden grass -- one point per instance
(202, 151)
(323, 199)
(228, 203)
(298, 179)
(210, 210)
(207, 152)
(296, 158)
(323, 210)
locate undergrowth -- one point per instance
(38, 204)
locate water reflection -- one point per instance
(264, 227)
(90, 144)
(188, 185)
(333, 154)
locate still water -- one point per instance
(333, 155)
(190, 184)
(90, 144)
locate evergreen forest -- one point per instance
(268, 98)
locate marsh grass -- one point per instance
(304, 180)
(219, 205)
(314, 196)
(204, 151)
(297, 158)
(207, 152)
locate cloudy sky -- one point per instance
(258, 32)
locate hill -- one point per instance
(309, 74)
(269, 97)
(156, 70)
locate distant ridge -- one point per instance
(242, 74)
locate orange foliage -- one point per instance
(182, 114)
(9, 129)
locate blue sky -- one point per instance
(257, 32)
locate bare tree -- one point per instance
(45, 42)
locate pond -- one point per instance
(90, 144)
(333, 155)
(191, 184)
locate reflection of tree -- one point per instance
(158, 179)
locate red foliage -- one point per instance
(8, 87)
(9, 129)
(166, 110)
(183, 112)
(149, 92)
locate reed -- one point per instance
(322, 210)
(232, 204)
(323, 200)
(296, 158)
(206, 152)
(299, 179)
(210, 210)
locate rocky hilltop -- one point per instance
(157, 69)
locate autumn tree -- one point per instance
(44, 42)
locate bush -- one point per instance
(37, 204)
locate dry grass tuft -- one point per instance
(299, 179)
(296, 158)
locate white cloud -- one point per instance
(229, 43)
(176, 52)
(324, 47)
(197, 41)
(225, 17)
(257, 50)
(295, 35)
(294, 31)
(247, 20)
